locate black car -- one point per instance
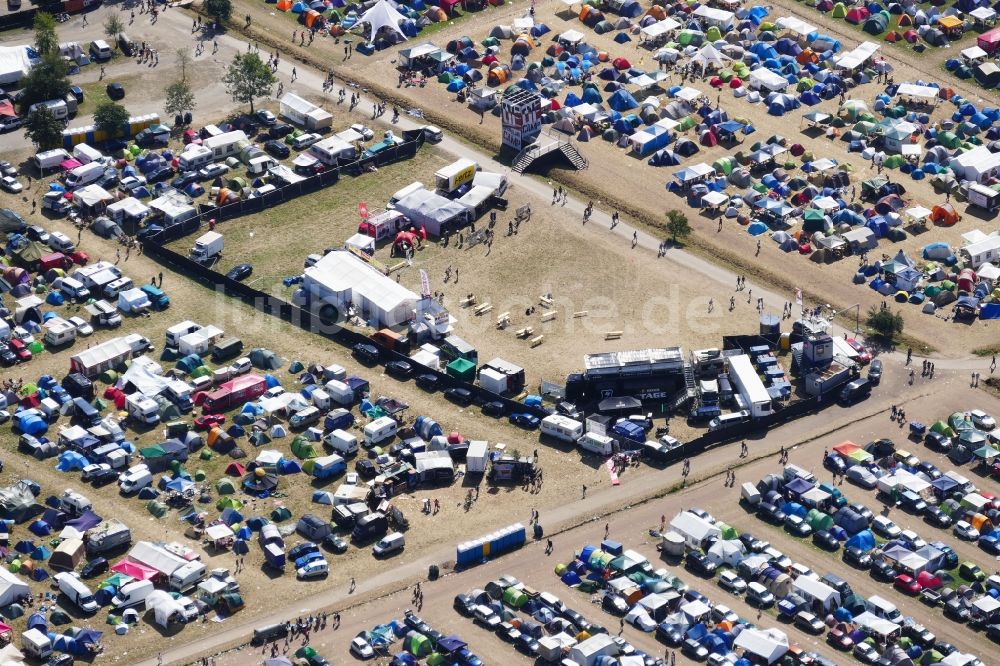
(993, 632)
(834, 463)
(956, 610)
(95, 567)
(697, 563)
(882, 570)
(937, 441)
(930, 469)
(104, 477)
(825, 540)
(161, 173)
(399, 369)
(752, 543)
(612, 603)
(671, 634)
(78, 93)
(494, 408)
(185, 178)
(770, 513)
(335, 544)
(464, 604)
(279, 131)
(459, 396)
(863, 511)
(415, 622)
(115, 91)
(576, 618)
(944, 648)
(60, 660)
(935, 516)
(960, 454)
(277, 149)
(857, 558)
(367, 354)
(240, 272)
(7, 357)
(366, 468)
(694, 650)
(428, 382)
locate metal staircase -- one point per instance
(687, 394)
(529, 154)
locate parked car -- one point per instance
(907, 584)
(875, 371)
(864, 356)
(729, 581)
(525, 420)
(20, 350)
(982, 420)
(936, 517)
(808, 623)
(965, 531)
(885, 528)
(459, 396)
(361, 649)
(82, 327)
(861, 476)
(399, 369)
(115, 91)
(366, 133)
(277, 149)
(770, 513)
(464, 604)
(857, 558)
(11, 184)
(213, 171)
(882, 570)
(866, 654)
(265, 117)
(279, 131)
(797, 526)
(937, 441)
(94, 567)
(428, 382)
(839, 640)
(698, 563)
(989, 544)
(240, 272)
(825, 540)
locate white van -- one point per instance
(380, 430)
(792, 471)
(133, 482)
(74, 289)
(77, 592)
(258, 166)
(178, 331)
(390, 544)
(305, 418)
(342, 442)
(132, 594)
(84, 174)
(724, 421)
(85, 154)
(562, 428)
(884, 609)
(99, 50)
(602, 445)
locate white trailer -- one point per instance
(475, 459)
(562, 427)
(745, 380)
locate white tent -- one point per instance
(769, 645)
(709, 55)
(12, 588)
(165, 608)
(640, 618)
(728, 552)
(693, 528)
(14, 64)
(382, 15)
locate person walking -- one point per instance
(584, 492)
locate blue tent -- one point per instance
(864, 540)
(572, 100)
(289, 467)
(456, 86)
(231, 516)
(664, 157)
(180, 485)
(24, 546)
(622, 100)
(570, 578)
(592, 96)
(757, 228)
(70, 461)
(40, 553)
(30, 422)
(631, 9)
(40, 528)
(240, 547)
(794, 509)
(54, 298)
(37, 621)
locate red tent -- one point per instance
(621, 63)
(989, 41)
(857, 15)
(447, 5)
(235, 469)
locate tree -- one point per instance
(884, 323)
(113, 26)
(46, 39)
(677, 225)
(46, 80)
(248, 78)
(111, 118)
(219, 9)
(179, 98)
(183, 60)
(43, 129)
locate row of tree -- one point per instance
(247, 79)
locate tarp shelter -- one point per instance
(382, 15)
(767, 645)
(67, 555)
(12, 588)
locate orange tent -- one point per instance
(657, 12)
(945, 215)
(284, 5)
(807, 56)
(905, 20)
(981, 523)
(310, 17)
(498, 76)
(946, 93)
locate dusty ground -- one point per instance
(634, 180)
(533, 567)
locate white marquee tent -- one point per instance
(382, 15)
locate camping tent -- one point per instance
(382, 15)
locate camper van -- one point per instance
(601, 445)
(305, 418)
(134, 481)
(56, 107)
(380, 430)
(36, 644)
(107, 538)
(86, 154)
(114, 288)
(793, 471)
(59, 332)
(194, 157)
(142, 409)
(562, 428)
(84, 174)
(884, 609)
(187, 576)
(86, 414)
(178, 331)
(132, 594)
(402, 194)
(226, 144)
(99, 50)
(342, 442)
(258, 166)
(76, 592)
(50, 159)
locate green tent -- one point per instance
(588, 586)
(228, 503)
(960, 423)
(444, 77)
(296, 367)
(152, 452)
(206, 454)
(200, 475)
(280, 514)
(201, 371)
(168, 354)
(686, 123)
(463, 369)
(158, 509)
(894, 162)
(308, 466)
(724, 164)
(117, 580)
(60, 618)
(819, 520)
(514, 597)
(727, 532)
(303, 448)
(265, 359)
(713, 34)
(942, 428)
(225, 487)
(99, 404)
(948, 139)
(417, 644)
(436, 659)
(306, 652)
(259, 438)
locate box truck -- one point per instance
(451, 177)
(85, 174)
(207, 247)
(234, 392)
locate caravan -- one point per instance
(562, 428)
(380, 430)
(226, 144)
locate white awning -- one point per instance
(218, 532)
(688, 94)
(973, 53)
(795, 25)
(913, 90)
(571, 36)
(715, 199)
(918, 213)
(659, 28)
(983, 13)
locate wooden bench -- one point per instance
(549, 316)
(537, 341)
(525, 332)
(613, 335)
(503, 320)
(467, 301)
(545, 302)
(483, 309)
(581, 313)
